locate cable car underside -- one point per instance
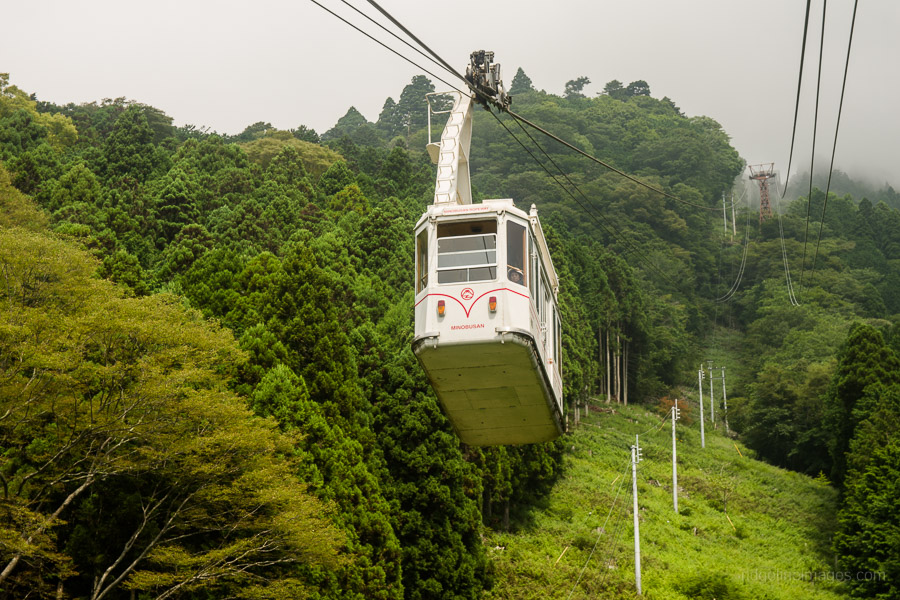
(493, 393)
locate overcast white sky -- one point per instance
(227, 64)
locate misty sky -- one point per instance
(228, 64)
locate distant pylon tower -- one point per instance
(762, 174)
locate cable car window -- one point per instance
(467, 251)
(557, 341)
(422, 261)
(515, 253)
(543, 298)
(533, 267)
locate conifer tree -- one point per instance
(864, 360)
(521, 83)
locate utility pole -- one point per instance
(724, 215)
(700, 387)
(635, 459)
(675, 415)
(733, 224)
(725, 400)
(712, 395)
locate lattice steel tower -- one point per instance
(762, 174)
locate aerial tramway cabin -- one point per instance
(487, 324)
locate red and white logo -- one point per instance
(467, 294)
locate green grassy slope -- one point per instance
(777, 541)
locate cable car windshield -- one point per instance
(467, 252)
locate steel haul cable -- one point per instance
(607, 165)
(398, 38)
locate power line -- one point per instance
(657, 427)
(602, 530)
(797, 103)
(614, 548)
(836, 130)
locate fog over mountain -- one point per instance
(226, 64)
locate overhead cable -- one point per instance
(611, 230)
(787, 270)
(797, 102)
(443, 62)
(383, 45)
(607, 165)
(437, 58)
(446, 65)
(615, 540)
(400, 39)
(836, 130)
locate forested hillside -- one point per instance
(298, 249)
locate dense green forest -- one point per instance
(208, 388)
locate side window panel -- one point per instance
(557, 346)
(422, 261)
(515, 253)
(533, 272)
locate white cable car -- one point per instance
(487, 326)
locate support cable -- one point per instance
(622, 239)
(612, 233)
(836, 130)
(797, 103)
(612, 228)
